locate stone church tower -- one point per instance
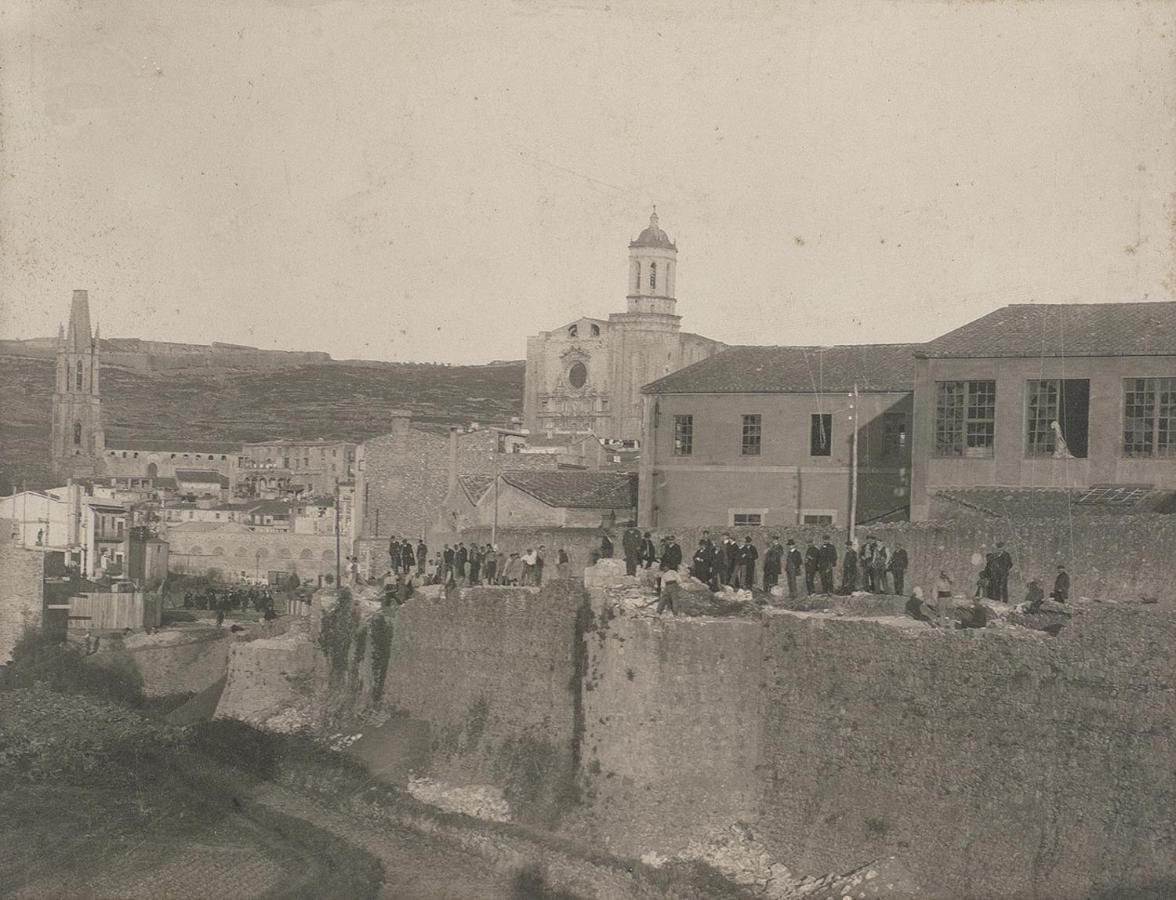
(77, 440)
(586, 377)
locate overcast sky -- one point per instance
(432, 181)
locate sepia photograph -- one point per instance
(385, 515)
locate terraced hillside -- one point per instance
(335, 400)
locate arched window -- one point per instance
(79, 376)
(638, 285)
(596, 331)
(573, 330)
(77, 434)
(653, 276)
(67, 375)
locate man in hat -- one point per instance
(773, 563)
(748, 554)
(812, 565)
(729, 551)
(899, 562)
(828, 562)
(631, 545)
(1001, 566)
(793, 563)
(849, 569)
(701, 564)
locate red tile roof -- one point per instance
(1064, 329)
(748, 370)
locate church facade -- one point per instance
(586, 376)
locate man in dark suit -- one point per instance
(672, 555)
(422, 556)
(1061, 589)
(828, 562)
(460, 558)
(631, 544)
(1001, 566)
(747, 556)
(773, 564)
(648, 550)
(701, 564)
(730, 555)
(849, 569)
(793, 563)
(899, 562)
(812, 565)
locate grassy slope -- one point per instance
(345, 401)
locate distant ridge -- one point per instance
(155, 356)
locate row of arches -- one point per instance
(305, 553)
(651, 275)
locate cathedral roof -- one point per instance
(653, 236)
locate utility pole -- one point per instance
(853, 466)
(494, 524)
(338, 541)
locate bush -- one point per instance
(64, 667)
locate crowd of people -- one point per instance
(461, 566)
(235, 597)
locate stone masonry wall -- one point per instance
(22, 575)
(492, 672)
(993, 763)
(174, 662)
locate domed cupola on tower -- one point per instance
(653, 260)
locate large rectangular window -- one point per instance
(751, 435)
(1149, 417)
(820, 434)
(683, 435)
(746, 518)
(1057, 414)
(965, 418)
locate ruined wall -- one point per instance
(20, 588)
(492, 671)
(172, 662)
(993, 763)
(273, 682)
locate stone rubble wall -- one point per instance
(21, 577)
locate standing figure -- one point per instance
(812, 565)
(773, 563)
(422, 556)
(878, 568)
(648, 550)
(1001, 567)
(828, 562)
(849, 569)
(701, 564)
(748, 554)
(899, 562)
(1061, 588)
(730, 555)
(793, 564)
(631, 544)
(461, 558)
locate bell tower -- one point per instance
(77, 440)
(653, 263)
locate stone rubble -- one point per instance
(482, 801)
(737, 854)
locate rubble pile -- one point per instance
(737, 854)
(291, 720)
(482, 801)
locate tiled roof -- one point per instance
(177, 445)
(201, 476)
(1053, 503)
(579, 490)
(220, 527)
(475, 486)
(269, 508)
(747, 370)
(1064, 329)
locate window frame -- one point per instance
(733, 514)
(966, 420)
(751, 435)
(821, 422)
(1161, 414)
(683, 425)
(1046, 444)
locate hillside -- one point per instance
(334, 400)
